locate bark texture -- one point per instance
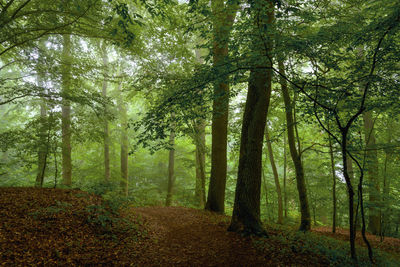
(223, 17)
(246, 209)
(66, 112)
(305, 223)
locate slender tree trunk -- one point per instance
(284, 175)
(200, 136)
(374, 220)
(276, 176)
(43, 146)
(66, 112)
(350, 191)
(124, 142)
(266, 195)
(246, 209)
(107, 174)
(223, 17)
(305, 223)
(334, 200)
(386, 181)
(171, 163)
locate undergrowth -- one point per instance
(334, 252)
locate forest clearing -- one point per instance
(200, 132)
(55, 227)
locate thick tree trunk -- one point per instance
(246, 209)
(276, 176)
(374, 216)
(124, 185)
(171, 163)
(107, 174)
(305, 223)
(200, 141)
(223, 17)
(66, 112)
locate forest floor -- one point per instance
(71, 227)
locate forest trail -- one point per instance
(187, 237)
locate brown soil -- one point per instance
(188, 237)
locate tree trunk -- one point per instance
(334, 200)
(276, 177)
(124, 185)
(107, 174)
(66, 112)
(200, 141)
(246, 209)
(223, 17)
(171, 163)
(284, 175)
(386, 181)
(350, 191)
(305, 223)
(43, 145)
(374, 220)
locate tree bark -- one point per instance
(284, 175)
(334, 200)
(171, 163)
(43, 145)
(124, 185)
(305, 223)
(246, 209)
(66, 112)
(200, 141)
(223, 17)
(374, 220)
(276, 176)
(107, 172)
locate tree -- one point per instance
(305, 223)
(103, 49)
(374, 220)
(66, 111)
(246, 209)
(223, 18)
(171, 167)
(276, 176)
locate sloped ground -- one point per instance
(53, 226)
(71, 228)
(390, 244)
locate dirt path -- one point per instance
(187, 237)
